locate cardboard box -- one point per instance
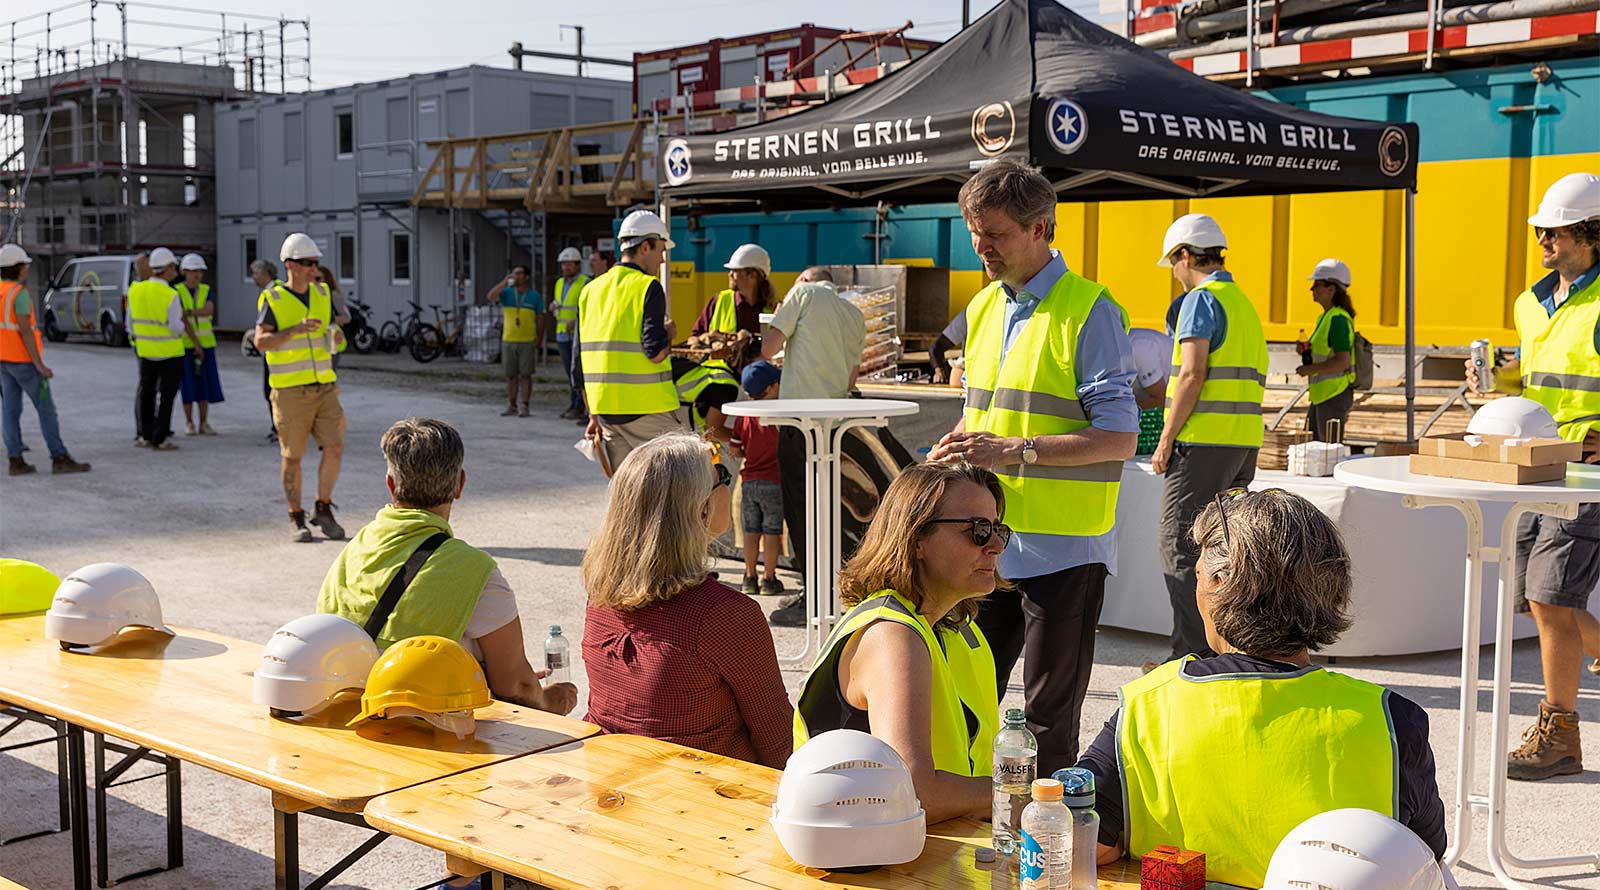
(1527, 453)
(1486, 471)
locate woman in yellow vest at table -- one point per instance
(1227, 754)
(1331, 371)
(908, 664)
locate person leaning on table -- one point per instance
(909, 663)
(1331, 373)
(1558, 366)
(1227, 754)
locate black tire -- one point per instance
(363, 339)
(108, 332)
(426, 343)
(389, 337)
(53, 331)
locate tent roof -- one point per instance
(1031, 80)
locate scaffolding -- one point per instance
(106, 121)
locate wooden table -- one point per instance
(624, 812)
(189, 697)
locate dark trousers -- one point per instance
(1195, 475)
(266, 391)
(792, 472)
(1336, 408)
(158, 385)
(574, 398)
(1048, 621)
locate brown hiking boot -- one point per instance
(20, 467)
(1550, 747)
(298, 532)
(323, 519)
(63, 463)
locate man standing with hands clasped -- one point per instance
(1050, 409)
(1558, 560)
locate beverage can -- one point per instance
(1483, 363)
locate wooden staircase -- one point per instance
(541, 170)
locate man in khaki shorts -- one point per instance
(294, 332)
(522, 316)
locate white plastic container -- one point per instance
(1046, 852)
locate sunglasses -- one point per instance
(724, 476)
(980, 529)
(1539, 232)
(303, 262)
(1224, 498)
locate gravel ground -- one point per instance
(207, 525)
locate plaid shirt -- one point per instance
(699, 670)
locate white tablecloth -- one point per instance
(1407, 565)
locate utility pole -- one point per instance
(579, 30)
(966, 14)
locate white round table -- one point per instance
(823, 423)
(1557, 499)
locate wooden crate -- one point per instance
(1274, 453)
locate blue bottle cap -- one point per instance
(1077, 786)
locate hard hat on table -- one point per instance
(846, 800)
(312, 662)
(1516, 417)
(25, 586)
(1355, 849)
(430, 675)
(94, 603)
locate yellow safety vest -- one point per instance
(147, 312)
(304, 359)
(1325, 386)
(1560, 368)
(723, 317)
(202, 323)
(618, 378)
(1230, 763)
(1229, 409)
(519, 323)
(566, 303)
(966, 703)
(694, 382)
(1034, 392)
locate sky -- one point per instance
(363, 40)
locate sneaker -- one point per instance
(272, 437)
(63, 463)
(1594, 667)
(190, 429)
(570, 414)
(20, 467)
(790, 614)
(298, 532)
(1550, 747)
(523, 412)
(509, 412)
(141, 442)
(206, 430)
(749, 587)
(772, 587)
(325, 521)
(164, 445)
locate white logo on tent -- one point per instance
(678, 167)
(1066, 125)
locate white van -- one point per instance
(89, 297)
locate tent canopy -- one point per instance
(1031, 80)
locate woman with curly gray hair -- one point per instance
(1226, 754)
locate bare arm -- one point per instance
(717, 426)
(511, 678)
(268, 337)
(1338, 364)
(772, 344)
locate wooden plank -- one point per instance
(628, 813)
(613, 189)
(422, 184)
(190, 696)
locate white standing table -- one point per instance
(823, 422)
(1557, 499)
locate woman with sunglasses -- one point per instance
(908, 664)
(1227, 754)
(670, 652)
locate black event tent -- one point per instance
(1104, 119)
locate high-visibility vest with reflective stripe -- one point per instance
(1230, 763)
(1229, 409)
(1034, 392)
(1560, 368)
(965, 702)
(12, 348)
(694, 382)
(202, 323)
(566, 302)
(519, 322)
(303, 359)
(723, 316)
(1325, 386)
(148, 301)
(618, 378)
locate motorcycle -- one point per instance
(358, 332)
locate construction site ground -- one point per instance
(207, 525)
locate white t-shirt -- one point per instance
(497, 607)
(1152, 356)
(823, 337)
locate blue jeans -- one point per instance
(16, 380)
(564, 347)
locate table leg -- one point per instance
(286, 850)
(78, 779)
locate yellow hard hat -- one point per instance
(429, 673)
(25, 587)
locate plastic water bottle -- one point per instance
(1016, 763)
(1046, 861)
(1077, 792)
(557, 657)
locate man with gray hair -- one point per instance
(404, 574)
(1050, 409)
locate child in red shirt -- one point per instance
(762, 503)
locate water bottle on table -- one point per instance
(1077, 792)
(1046, 858)
(557, 657)
(1016, 763)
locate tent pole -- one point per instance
(1411, 314)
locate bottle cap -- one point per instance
(1015, 717)
(1077, 786)
(983, 854)
(1046, 789)
(555, 630)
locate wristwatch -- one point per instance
(1030, 455)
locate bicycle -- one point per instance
(400, 330)
(433, 340)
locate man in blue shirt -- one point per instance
(1049, 618)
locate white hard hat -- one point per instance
(299, 246)
(12, 254)
(846, 800)
(1514, 416)
(569, 255)
(750, 256)
(1571, 199)
(642, 224)
(160, 258)
(1354, 849)
(1331, 269)
(192, 262)
(95, 602)
(1193, 229)
(309, 661)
